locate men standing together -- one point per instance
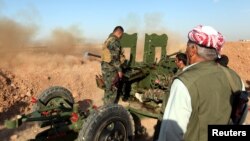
(201, 94)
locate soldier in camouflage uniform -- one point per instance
(112, 59)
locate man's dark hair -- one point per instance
(118, 28)
(182, 57)
(223, 60)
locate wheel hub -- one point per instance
(114, 131)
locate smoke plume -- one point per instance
(65, 39)
(14, 34)
(148, 24)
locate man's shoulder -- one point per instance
(196, 71)
(188, 70)
(236, 77)
(111, 39)
(232, 71)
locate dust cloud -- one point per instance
(14, 34)
(32, 65)
(148, 24)
(65, 40)
(154, 24)
(18, 47)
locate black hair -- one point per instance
(118, 28)
(223, 60)
(182, 57)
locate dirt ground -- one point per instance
(25, 73)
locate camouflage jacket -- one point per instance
(163, 80)
(112, 53)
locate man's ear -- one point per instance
(193, 50)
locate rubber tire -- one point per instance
(102, 116)
(54, 92)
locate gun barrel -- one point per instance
(94, 55)
(175, 53)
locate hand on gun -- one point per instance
(120, 74)
(117, 79)
(157, 81)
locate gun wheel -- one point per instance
(54, 96)
(108, 123)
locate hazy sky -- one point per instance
(97, 18)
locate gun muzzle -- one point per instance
(86, 54)
(175, 53)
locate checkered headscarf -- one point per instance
(206, 36)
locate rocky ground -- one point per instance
(26, 73)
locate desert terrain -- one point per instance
(26, 71)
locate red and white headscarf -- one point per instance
(206, 36)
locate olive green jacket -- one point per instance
(210, 94)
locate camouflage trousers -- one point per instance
(156, 95)
(110, 76)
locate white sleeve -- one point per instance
(243, 86)
(177, 113)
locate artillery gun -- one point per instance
(55, 107)
(140, 77)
